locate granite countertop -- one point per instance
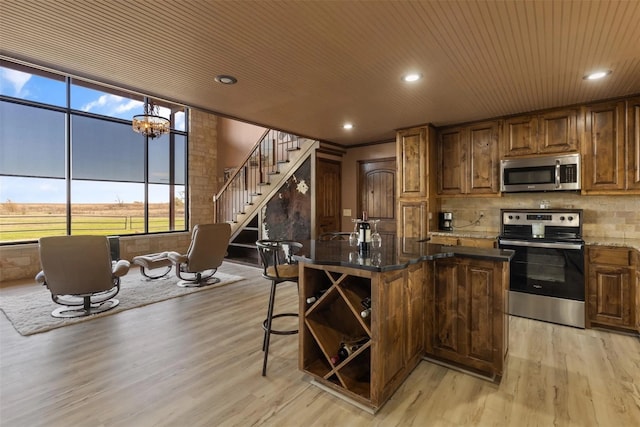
(491, 235)
(589, 240)
(613, 241)
(387, 257)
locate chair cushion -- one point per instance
(284, 271)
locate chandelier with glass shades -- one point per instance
(150, 124)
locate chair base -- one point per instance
(67, 312)
(192, 284)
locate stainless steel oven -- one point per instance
(547, 270)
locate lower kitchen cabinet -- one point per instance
(466, 314)
(389, 338)
(612, 287)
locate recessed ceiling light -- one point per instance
(226, 80)
(347, 126)
(597, 75)
(411, 77)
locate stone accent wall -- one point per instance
(23, 262)
(604, 216)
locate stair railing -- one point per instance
(248, 180)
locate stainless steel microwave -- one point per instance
(547, 173)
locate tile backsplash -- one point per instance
(604, 216)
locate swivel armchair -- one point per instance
(209, 243)
(80, 274)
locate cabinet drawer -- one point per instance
(476, 243)
(444, 240)
(609, 256)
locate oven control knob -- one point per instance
(570, 218)
(517, 216)
(510, 216)
(561, 218)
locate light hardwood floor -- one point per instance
(196, 361)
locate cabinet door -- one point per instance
(412, 219)
(415, 312)
(558, 131)
(604, 141)
(482, 158)
(452, 170)
(446, 324)
(412, 162)
(609, 296)
(389, 332)
(479, 313)
(520, 134)
(633, 144)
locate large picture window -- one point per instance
(71, 164)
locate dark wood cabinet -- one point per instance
(416, 181)
(611, 288)
(393, 330)
(412, 153)
(466, 314)
(633, 144)
(467, 159)
(328, 195)
(551, 132)
(604, 161)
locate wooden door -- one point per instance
(478, 310)
(328, 196)
(604, 152)
(609, 295)
(377, 189)
(520, 136)
(411, 145)
(446, 321)
(483, 165)
(451, 169)
(388, 329)
(558, 131)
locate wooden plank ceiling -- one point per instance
(307, 67)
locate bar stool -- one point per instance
(278, 266)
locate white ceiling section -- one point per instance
(308, 66)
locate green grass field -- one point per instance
(29, 222)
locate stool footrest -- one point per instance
(277, 332)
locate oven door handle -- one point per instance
(542, 244)
(557, 174)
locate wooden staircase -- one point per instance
(272, 161)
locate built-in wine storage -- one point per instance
(334, 321)
(354, 336)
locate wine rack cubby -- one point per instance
(335, 317)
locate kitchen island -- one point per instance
(367, 321)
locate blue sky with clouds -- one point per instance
(49, 91)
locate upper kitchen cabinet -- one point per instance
(550, 132)
(467, 159)
(603, 154)
(412, 154)
(416, 180)
(633, 144)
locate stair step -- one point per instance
(283, 162)
(243, 245)
(256, 194)
(264, 183)
(293, 149)
(273, 173)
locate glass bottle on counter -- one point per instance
(364, 234)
